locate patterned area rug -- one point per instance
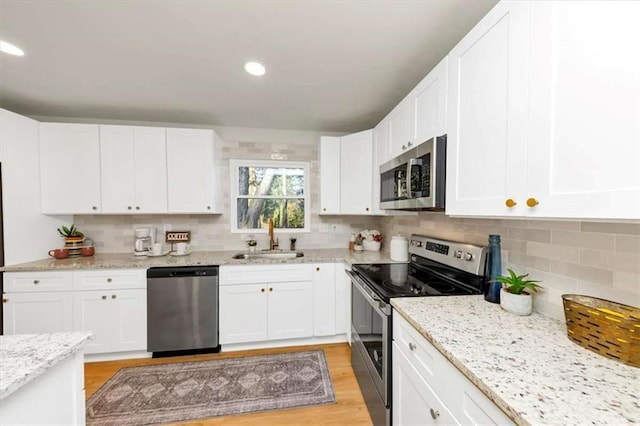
(196, 390)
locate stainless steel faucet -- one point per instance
(273, 243)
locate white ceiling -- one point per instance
(331, 65)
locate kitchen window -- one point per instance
(263, 190)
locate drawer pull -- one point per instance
(113, 296)
(36, 281)
(270, 288)
(262, 290)
(5, 300)
(412, 346)
(434, 413)
(104, 297)
(109, 280)
(318, 268)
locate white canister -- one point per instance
(399, 249)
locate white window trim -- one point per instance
(233, 202)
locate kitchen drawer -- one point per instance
(18, 282)
(425, 358)
(257, 274)
(414, 400)
(110, 279)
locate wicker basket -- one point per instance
(604, 327)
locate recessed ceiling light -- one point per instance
(254, 68)
(10, 49)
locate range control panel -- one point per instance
(467, 257)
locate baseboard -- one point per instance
(116, 356)
(340, 338)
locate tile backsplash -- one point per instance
(596, 259)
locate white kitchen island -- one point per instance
(42, 378)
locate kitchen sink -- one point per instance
(273, 254)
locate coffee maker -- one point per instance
(143, 239)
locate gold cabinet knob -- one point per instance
(367, 209)
(5, 300)
(318, 268)
(270, 288)
(262, 290)
(510, 203)
(532, 202)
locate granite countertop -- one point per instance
(526, 365)
(128, 260)
(23, 357)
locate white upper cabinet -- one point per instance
(329, 175)
(584, 126)
(134, 169)
(430, 105)
(69, 168)
(400, 123)
(544, 113)
(487, 119)
(346, 174)
(356, 162)
(193, 170)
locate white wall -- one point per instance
(28, 234)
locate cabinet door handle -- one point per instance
(109, 280)
(510, 203)
(409, 144)
(94, 208)
(36, 281)
(5, 300)
(208, 207)
(137, 207)
(366, 209)
(324, 209)
(113, 296)
(270, 288)
(262, 290)
(104, 297)
(404, 147)
(532, 202)
(434, 413)
(412, 346)
(318, 268)
(128, 207)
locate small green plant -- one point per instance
(70, 232)
(517, 284)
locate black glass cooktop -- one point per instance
(427, 278)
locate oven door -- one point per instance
(370, 350)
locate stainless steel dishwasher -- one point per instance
(182, 310)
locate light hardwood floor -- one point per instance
(350, 408)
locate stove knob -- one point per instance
(468, 256)
(458, 254)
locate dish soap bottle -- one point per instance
(494, 266)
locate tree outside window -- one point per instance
(266, 190)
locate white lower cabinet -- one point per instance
(37, 312)
(428, 389)
(277, 302)
(118, 319)
(111, 303)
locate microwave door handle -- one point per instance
(412, 162)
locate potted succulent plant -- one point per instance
(516, 293)
(252, 245)
(72, 237)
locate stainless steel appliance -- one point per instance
(182, 310)
(415, 180)
(437, 268)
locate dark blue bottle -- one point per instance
(494, 266)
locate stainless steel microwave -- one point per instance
(415, 180)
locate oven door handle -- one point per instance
(374, 301)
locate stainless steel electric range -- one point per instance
(437, 268)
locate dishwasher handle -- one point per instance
(186, 271)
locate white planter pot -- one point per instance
(371, 245)
(519, 304)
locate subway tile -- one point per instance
(515, 246)
(583, 240)
(626, 281)
(628, 244)
(555, 281)
(583, 272)
(610, 260)
(540, 235)
(609, 293)
(550, 251)
(529, 261)
(611, 228)
(555, 225)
